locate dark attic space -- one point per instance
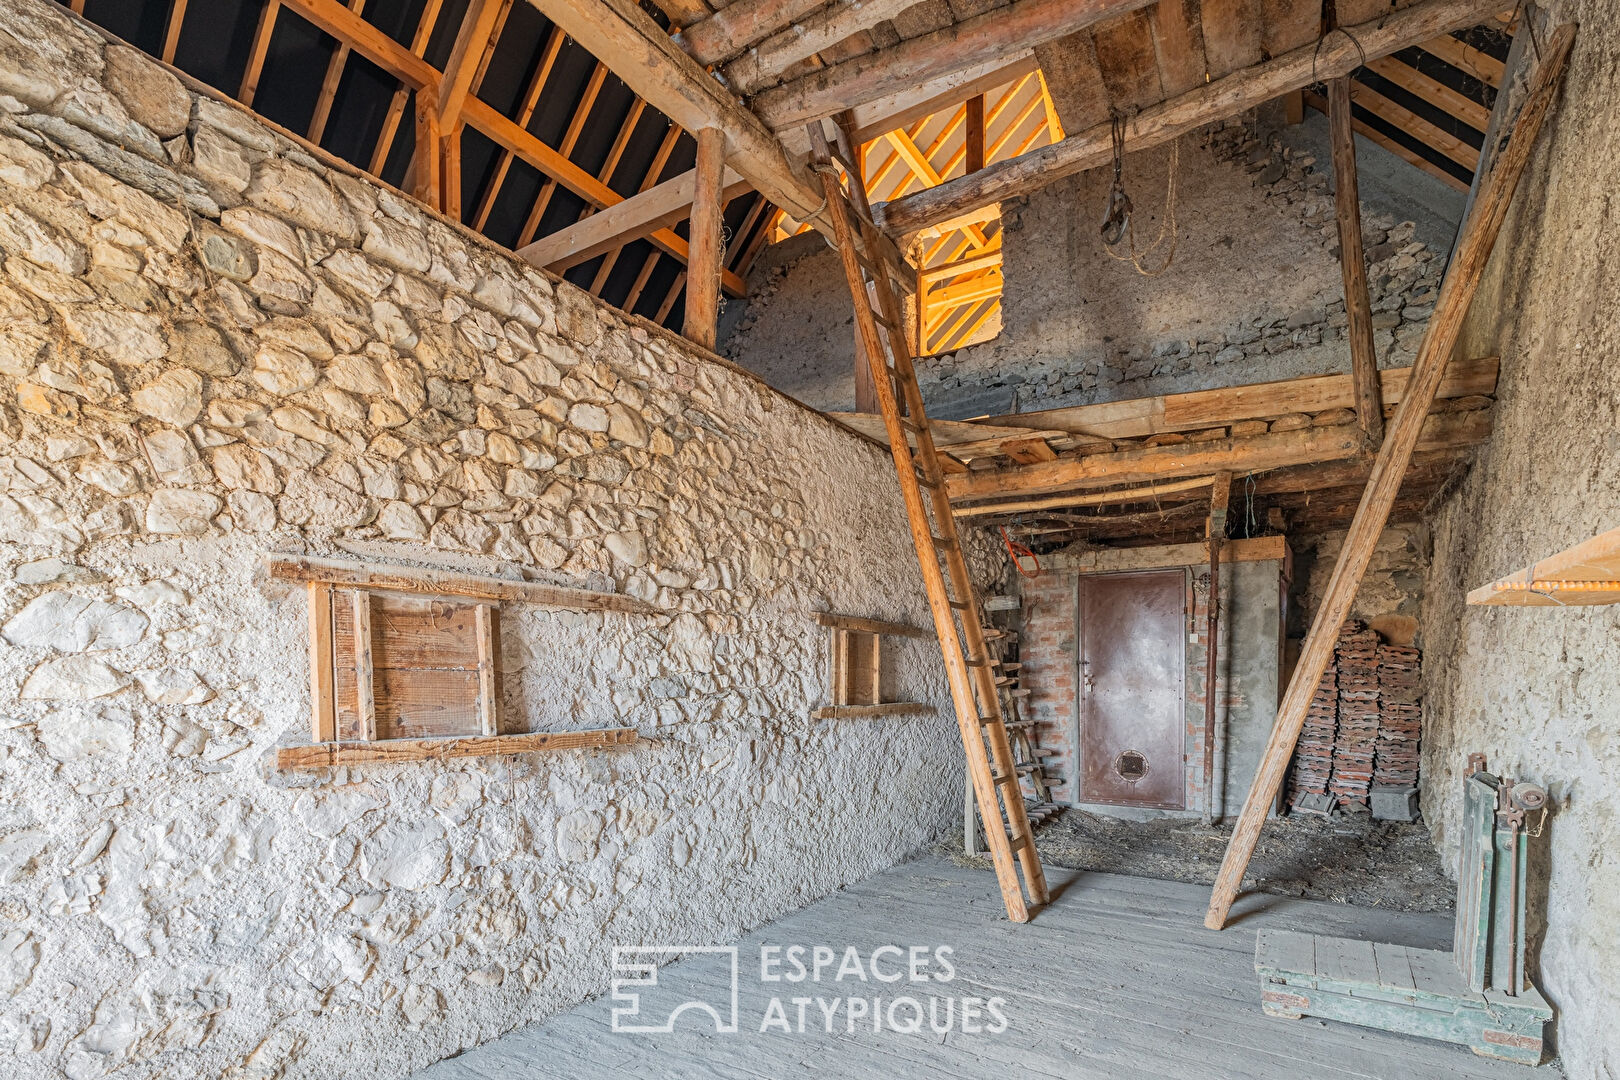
(776, 538)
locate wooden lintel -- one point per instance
(870, 626)
(394, 751)
(736, 26)
(1333, 56)
(867, 712)
(1110, 560)
(369, 575)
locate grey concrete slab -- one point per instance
(1117, 977)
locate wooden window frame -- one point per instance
(331, 583)
(859, 693)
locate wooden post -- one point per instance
(425, 183)
(1219, 496)
(1478, 236)
(323, 709)
(1353, 263)
(365, 685)
(974, 134)
(703, 263)
(485, 617)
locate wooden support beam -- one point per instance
(472, 44)
(1215, 535)
(708, 213)
(1353, 266)
(637, 49)
(396, 106)
(736, 26)
(329, 84)
(973, 138)
(764, 63)
(368, 41)
(1477, 238)
(1252, 453)
(365, 685)
(1336, 55)
(1021, 24)
(1465, 58)
(658, 207)
(427, 183)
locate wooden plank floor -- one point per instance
(1117, 978)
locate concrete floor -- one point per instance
(1117, 978)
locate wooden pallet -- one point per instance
(881, 329)
(1411, 991)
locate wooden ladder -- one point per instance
(881, 333)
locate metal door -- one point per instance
(1132, 699)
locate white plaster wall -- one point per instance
(214, 345)
(1534, 688)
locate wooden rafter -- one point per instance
(1336, 55)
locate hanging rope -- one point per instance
(1016, 552)
(1117, 225)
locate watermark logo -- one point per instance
(801, 988)
(655, 994)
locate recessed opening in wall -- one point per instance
(856, 645)
(412, 667)
(405, 662)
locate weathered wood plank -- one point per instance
(871, 626)
(867, 712)
(323, 709)
(392, 751)
(447, 582)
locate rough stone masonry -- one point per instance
(216, 343)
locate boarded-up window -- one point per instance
(405, 666)
(857, 668)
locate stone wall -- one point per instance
(1253, 294)
(217, 343)
(1534, 688)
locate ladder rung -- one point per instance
(960, 605)
(1004, 778)
(1006, 680)
(943, 541)
(1018, 843)
(976, 662)
(1010, 724)
(1019, 693)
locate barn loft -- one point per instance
(555, 538)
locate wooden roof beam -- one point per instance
(736, 26)
(1252, 453)
(762, 64)
(1021, 24)
(637, 49)
(1336, 55)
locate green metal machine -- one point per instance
(1476, 995)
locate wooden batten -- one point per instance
(1586, 574)
(871, 626)
(1167, 556)
(369, 575)
(862, 712)
(400, 751)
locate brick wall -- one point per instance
(1247, 686)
